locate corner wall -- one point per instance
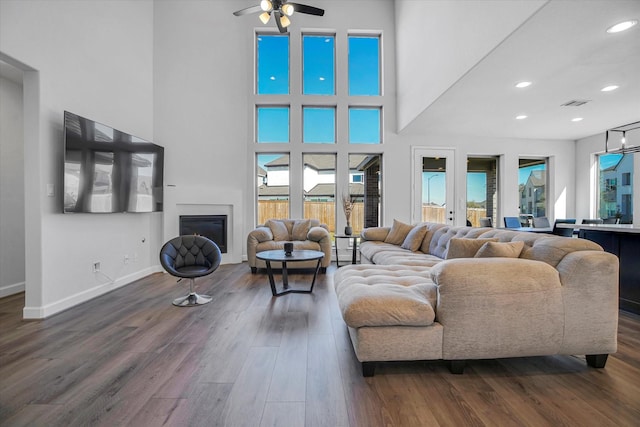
(94, 59)
(12, 236)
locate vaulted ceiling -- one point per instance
(561, 46)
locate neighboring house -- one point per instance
(319, 177)
(616, 197)
(262, 176)
(533, 194)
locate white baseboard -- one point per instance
(7, 290)
(73, 300)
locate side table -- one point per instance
(355, 238)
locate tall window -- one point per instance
(318, 69)
(339, 101)
(273, 186)
(532, 183)
(364, 65)
(482, 189)
(272, 64)
(615, 187)
(365, 190)
(319, 172)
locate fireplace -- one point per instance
(213, 227)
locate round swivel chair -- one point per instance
(188, 257)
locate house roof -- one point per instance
(328, 190)
(538, 178)
(273, 190)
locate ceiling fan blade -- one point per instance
(276, 16)
(248, 10)
(303, 8)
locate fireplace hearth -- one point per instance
(213, 227)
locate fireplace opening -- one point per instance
(213, 227)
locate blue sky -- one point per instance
(318, 78)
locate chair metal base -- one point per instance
(192, 300)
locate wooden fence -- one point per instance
(325, 212)
(438, 214)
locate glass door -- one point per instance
(433, 186)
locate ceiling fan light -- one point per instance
(284, 21)
(266, 6)
(264, 17)
(622, 26)
(288, 9)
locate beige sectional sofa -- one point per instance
(433, 291)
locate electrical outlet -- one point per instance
(126, 259)
(96, 267)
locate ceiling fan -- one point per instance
(281, 10)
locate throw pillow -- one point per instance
(414, 239)
(465, 248)
(300, 229)
(500, 249)
(278, 229)
(398, 232)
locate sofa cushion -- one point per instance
(278, 229)
(398, 232)
(371, 295)
(300, 229)
(552, 249)
(414, 239)
(500, 250)
(465, 248)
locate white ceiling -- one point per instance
(565, 51)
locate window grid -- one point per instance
(340, 102)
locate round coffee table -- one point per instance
(278, 255)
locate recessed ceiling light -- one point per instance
(521, 117)
(609, 88)
(523, 84)
(576, 119)
(621, 26)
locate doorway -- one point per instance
(433, 185)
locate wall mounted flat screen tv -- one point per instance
(109, 171)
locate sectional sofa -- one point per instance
(432, 291)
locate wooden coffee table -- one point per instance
(278, 255)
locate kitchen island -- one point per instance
(622, 240)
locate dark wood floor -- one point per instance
(247, 359)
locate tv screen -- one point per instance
(108, 171)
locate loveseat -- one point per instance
(432, 291)
(303, 233)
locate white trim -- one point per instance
(13, 289)
(84, 296)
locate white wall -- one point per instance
(95, 59)
(12, 237)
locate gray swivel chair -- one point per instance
(486, 222)
(188, 257)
